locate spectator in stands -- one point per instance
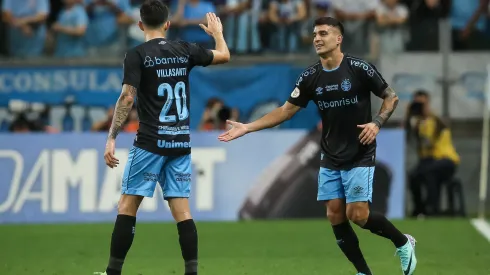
(20, 125)
(191, 13)
(391, 17)
(132, 125)
(106, 34)
(26, 20)
(287, 15)
(265, 26)
(241, 29)
(438, 159)
(135, 35)
(469, 23)
(316, 8)
(216, 114)
(424, 24)
(321, 8)
(70, 30)
(357, 16)
(105, 124)
(210, 112)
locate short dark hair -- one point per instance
(421, 93)
(153, 13)
(330, 21)
(224, 114)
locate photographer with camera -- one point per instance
(438, 159)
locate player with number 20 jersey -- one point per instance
(156, 77)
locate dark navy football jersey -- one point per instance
(159, 69)
(343, 97)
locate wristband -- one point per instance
(377, 122)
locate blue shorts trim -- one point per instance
(145, 169)
(354, 185)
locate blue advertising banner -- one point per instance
(253, 90)
(63, 177)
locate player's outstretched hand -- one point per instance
(214, 24)
(109, 157)
(369, 132)
(237, 130)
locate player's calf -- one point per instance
(188, 238)
(377, 223)
(123, 233)
(344, 234)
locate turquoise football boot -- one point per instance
(407, 256)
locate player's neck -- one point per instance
(150, 35)
(332, 61)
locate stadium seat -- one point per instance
(454, 190)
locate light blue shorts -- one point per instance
(145, 169)
(354, 185)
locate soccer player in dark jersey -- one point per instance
(341, 86)
(156, 74)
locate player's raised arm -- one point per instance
(272, 119)
(214, 28)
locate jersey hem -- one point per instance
(166, 153)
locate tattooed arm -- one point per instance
(390, 100)
(123, 107)
(370, 130)
(121, 112)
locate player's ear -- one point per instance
(339, 39)
(140, 24)
(166, 26)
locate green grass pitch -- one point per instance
(446, 247)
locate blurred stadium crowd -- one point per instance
(81, 28)
(98, 29)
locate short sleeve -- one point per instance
(132, 69)
(199, 55)
(82, 18)
(125, 6)
(43, 6)
(374, 79)
(300, 96)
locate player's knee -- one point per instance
(179, 207)
(336, 211)
(358, 213)
(129, 204)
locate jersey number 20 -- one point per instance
(177, 94)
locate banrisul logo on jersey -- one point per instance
(325, 104)
(151, 62)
